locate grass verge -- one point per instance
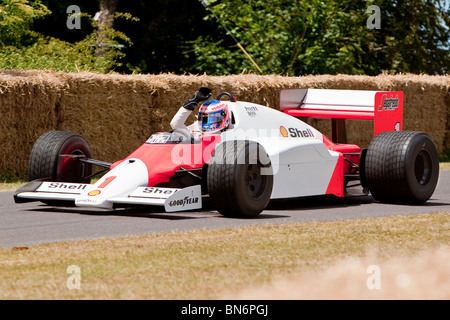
(233, 263)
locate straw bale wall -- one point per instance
(116, 113)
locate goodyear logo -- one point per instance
(183, 202)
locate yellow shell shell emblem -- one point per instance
(283, 131)
(94, 193)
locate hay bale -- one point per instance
(116, 113)
(27, 108)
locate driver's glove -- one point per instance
(201, 95)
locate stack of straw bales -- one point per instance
(116, 113)
(27, 108)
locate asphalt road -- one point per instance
(34, 223)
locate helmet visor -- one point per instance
(211, 121)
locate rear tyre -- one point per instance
(46, 160)
(402, 167)
(239, 179)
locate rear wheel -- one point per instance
(240, 179)
(402, 167)
(55, 156)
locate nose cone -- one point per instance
(120, 181)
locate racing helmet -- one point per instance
(213, 116)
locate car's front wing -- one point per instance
(87, 195)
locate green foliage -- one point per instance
(288, 37)
(22, 48)
(16, 17)
(54, 54)
(444, 156)
(296, 37)
(415, 36)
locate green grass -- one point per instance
(213, 264)
(210, 264)
(7, 185)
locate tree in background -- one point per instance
(288, 37)
(296, 37)
(105, 22)
(106, 13)
(159, 37)
(415, 36)
(16, 17)
(22, 48)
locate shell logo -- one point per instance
(94, 193)
(283, 131)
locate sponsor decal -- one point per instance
(251, 111)
(91, 201)
(94, 193)
(212, 107)
(388, 104)
(106, 182)
(62, 187)
(158, 139)
(296, 133)
(284, 132)
(217, 107)
(154, 190)
(183, 202)
(57, 185)
(184, 199)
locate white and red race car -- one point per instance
(265, 154)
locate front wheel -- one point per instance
(402, 167)
(55, 156)
(239, 179)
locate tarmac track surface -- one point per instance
(35, 223)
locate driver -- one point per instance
(213, 115)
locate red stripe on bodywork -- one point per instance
(162, 160)
(106, 182)
(336, 185)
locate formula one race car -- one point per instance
(264, 154)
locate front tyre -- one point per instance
(55, 156)
(402, 167)
(239, 179)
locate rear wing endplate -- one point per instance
(385, 108)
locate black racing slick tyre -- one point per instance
(239, 179)
(402, 167)
(55, 156)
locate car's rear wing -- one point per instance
(384, 108)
